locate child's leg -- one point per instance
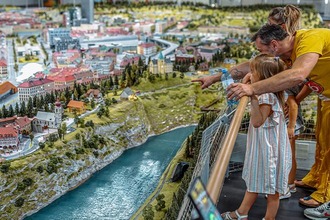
(248, 201)
(292, 174)
(243, 210)
(273, 201)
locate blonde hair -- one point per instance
(266, 66)
(289, 15)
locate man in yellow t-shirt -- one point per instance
(309, 51)
(315, 41)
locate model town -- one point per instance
(69, 71)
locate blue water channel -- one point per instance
(120, 188)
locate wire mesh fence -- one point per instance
(212, 139)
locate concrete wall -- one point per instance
(327, 12)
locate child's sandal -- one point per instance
(226, 216)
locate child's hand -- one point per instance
(291, 132)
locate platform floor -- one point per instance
(234, 189)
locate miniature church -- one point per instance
(161, 65)
(47, 120)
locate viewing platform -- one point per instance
(221, 159)
(233, 192)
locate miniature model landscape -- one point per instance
(141, 97)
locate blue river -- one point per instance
(119, 189)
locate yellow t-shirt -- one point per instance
(316, 41)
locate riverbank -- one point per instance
(88, 173)
(164, 180)
(149, 136)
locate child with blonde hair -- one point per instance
(268, 154)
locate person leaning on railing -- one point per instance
(309, 51)
(304, 66)
(289, 18)
(265, 171)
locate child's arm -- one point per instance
(293, 113)
(259, 113)
(305, 91)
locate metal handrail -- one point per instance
(219, 170)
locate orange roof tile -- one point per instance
(76, 104)
(6, 86)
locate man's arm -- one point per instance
(240, 70)
(300, 70)
(237, 72)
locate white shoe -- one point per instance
(226, 216)
(283, 196)
(292, 188)
(319, 213)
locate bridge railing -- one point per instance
(220, 167)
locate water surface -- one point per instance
(120, 188)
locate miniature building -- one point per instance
(54, 33)
(66, 77)
(22, 125)
(160, 66)
(127, 59)
(76, 107)
(184, 58)
(28, 50)
(66, 43)
(46, 120)
(94, 94)
(8, 139)
(207, 52)
(7, 89)
(3, 68)
(58, 110)
(34, 87)
(67, 58)
(102, 65)
(160, 26)
(6, 121)
(87, 10)
(146, 49)
(61, 82)
(127, 92)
